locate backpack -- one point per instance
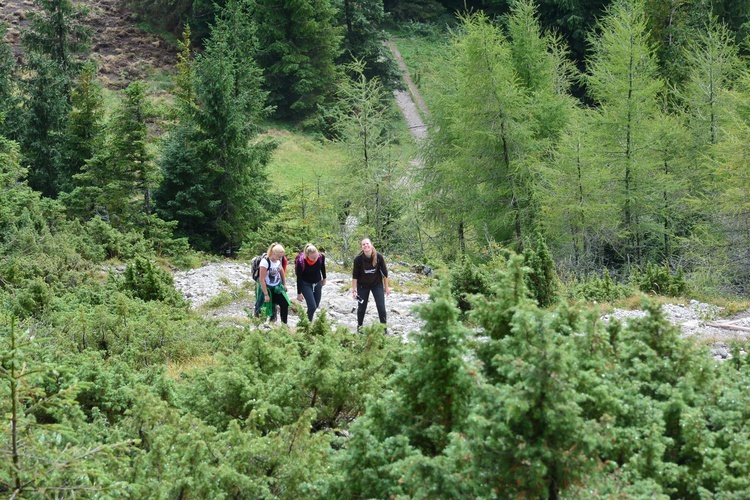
(255, 265)
(303, 262)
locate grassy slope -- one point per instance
(424, 59)
(300, 158)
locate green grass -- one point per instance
(425, 59)
(306, 159)
(302, 159)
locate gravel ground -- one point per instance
(696, 319)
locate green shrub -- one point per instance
(599, 288)
(541, 280)
(33, 298)
(147, 281)
(466, 279)
(660, 280)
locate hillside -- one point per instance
(123, 51)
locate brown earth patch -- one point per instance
(123, 51)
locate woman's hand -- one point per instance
(324, 282)
(299, 297)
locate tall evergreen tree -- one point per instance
(214, 180)
(298, 44)
(41, 124)
(7, 69)
(85, 129)
(622, 79)
(364, 40)
(58, 32)
(54, 42)
(117, 181)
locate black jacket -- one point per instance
(366, 274)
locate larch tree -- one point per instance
(713, 112)
(505, 104)
(475, 148)
(373, 173)
(623, 81)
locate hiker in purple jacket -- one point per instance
(310, 269)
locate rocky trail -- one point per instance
(201, 285)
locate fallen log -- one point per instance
(729, 326)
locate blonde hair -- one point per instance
(309, 250)
(275, 248)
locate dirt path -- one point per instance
(411, 103)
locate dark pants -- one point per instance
(378, 293)
(312, 293)
(277, 299)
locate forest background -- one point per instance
(577, 153)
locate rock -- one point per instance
(200, 285)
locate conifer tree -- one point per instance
(42, 122)
(622, 79)
(85, 130)
(58, 32)
(373, 172)
(7, 68)
(298, 44)
(122, 171)
(541, 279)
(506, 104)
(399, 446)
(214, 182)
(364, 40)
(714, 95)
(574, 213)
(529, 436)
(54, 42)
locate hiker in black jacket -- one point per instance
(310, 269)
(370, 274)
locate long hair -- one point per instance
(374, 254)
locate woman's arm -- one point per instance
(262, 278)
(323, 268)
